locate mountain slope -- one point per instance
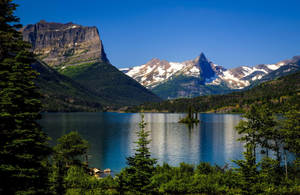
(172, 79)
(200, 76)
(63, 94)
(108, 82)
(157, 71)
(185, 86)
(281, 93)
(77, 52)
(291, 66)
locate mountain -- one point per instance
(108, 82)
(289, 67)
(62, 93)
(77, 52)
(157, 71)
(201, 77)
(280, 93)
(178, 79)
(61, 45)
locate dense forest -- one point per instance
(278, 93)
(28, 165)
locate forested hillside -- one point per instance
(107, 82)
(278, 93)
(61, 93)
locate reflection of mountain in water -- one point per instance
(213, 140)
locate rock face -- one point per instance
(61, 45)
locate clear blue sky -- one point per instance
(230, 32)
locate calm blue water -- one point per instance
(112, 135)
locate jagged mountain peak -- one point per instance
(156, 71)
(198, 74)
(206, 68)
(201, 58)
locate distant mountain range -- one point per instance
(75, 74)
(202, 77)
(281, 94)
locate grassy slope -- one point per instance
(111, 84)
(278, 92)
(63, 94)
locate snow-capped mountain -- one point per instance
(198, 77)
(158, 71)
(241, 77)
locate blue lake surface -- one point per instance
(112, 136)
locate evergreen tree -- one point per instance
(257, 131)
(291, 132)
(136, 177)
(69, 151)
(23, 146)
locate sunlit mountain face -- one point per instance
(200, 76)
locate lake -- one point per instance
(111, 137)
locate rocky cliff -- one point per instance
(62, 45)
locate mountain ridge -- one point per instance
(203, 72)
(280, 94)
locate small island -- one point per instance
(191, 118)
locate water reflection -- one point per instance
(112, 136)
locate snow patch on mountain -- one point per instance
(156, 72)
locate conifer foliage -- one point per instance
(23, 148)
(136, 177)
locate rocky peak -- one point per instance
(295, 60)
(206, 69)
(61, 45)
(201, 58)
(153, 62)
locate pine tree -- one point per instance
(136, 177)
(69, 151)
(291, 132)
(23, 146)
(257, 131)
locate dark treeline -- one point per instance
(28, 165)
(278, 93)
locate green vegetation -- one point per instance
(60, 93)
(278, 93)
(73, 71)
(27, 166)
(136, 177)
(67, 160)
(113, 87)
(191, 117)
(175, 86)
(262, 132)
(23, 146)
